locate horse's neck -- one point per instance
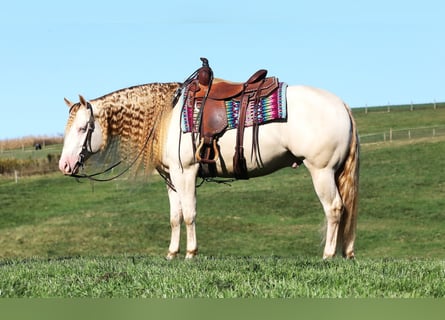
(135, 116)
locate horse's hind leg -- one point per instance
(326, 189)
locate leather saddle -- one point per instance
(211, 94)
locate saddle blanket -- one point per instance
(268, 109)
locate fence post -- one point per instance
(16, 176)
(390, 134)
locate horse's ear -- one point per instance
(68, 103)
(82, 100)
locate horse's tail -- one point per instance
(348, 186)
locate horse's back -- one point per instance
(317, 107)
(317, 130)
(319, 126)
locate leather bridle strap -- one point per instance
(86, 146)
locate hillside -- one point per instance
(401, 188)
(258, 238)
(375, 124)
(402, 122)
(370, 120)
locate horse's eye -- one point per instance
(83, 129)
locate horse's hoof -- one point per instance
(191, 254)
(171, 255)
(328, 256)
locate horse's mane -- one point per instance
(132, 121)
(72, 115)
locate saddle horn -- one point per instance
(205, 73)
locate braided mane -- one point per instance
(72, 115)
(133, 119)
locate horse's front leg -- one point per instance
(184, 181)
(176, 219)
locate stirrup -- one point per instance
(198, 152)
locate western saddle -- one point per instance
(211, 95)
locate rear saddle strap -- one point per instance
(212, 114)
(239, 161)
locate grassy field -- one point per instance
(258, 238)
(229, 277)
(380, 121)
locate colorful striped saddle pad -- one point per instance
(268, 109)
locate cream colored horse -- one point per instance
(320, 132)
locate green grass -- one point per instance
(63, 238)
(257, 238)
(376, 122)
(27, 161)
(402, 199)
(30, 152)
(401, 212)
(271, 277)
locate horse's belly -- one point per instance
(269, 156)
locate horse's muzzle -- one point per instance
(68, 169)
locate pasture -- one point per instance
(257, 238)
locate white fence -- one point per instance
(403, 134)
(400, 108)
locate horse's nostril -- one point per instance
(65, 167)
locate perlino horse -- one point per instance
(320, 132)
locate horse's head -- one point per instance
(83, 137)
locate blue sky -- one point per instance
(367, 52)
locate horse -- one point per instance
(319, 132)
